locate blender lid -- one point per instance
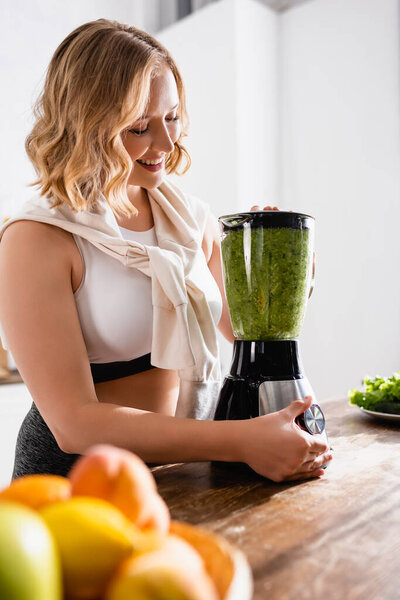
(267, 218)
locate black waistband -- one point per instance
(114, 370)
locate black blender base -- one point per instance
(254, 363)
(237, 400)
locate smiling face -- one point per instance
(152, 137)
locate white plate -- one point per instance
(380, 415)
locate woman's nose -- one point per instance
(162, 140)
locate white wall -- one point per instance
(15, 401)
(340, 162)
(256, 60)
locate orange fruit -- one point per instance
(37, 491)
(159, 520)
(124, 480)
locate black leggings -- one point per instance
(37, 450)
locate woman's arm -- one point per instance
(40, 321)
(212, 250)
(273, 445)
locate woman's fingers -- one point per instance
(317, 462)
(311, 468)
(306, 475)
(258, 207)
(317, 444)
(297, 407)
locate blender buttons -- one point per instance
(312, 420)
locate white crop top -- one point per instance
(114, 302)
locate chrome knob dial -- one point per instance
(312, 420)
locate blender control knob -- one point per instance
(312, 420)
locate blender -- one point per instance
(267, 259)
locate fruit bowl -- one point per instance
(114, 538)
(226, 564)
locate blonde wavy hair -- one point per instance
(97, 85)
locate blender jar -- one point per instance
(267, 265)
(267, 261)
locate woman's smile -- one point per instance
(149, 165)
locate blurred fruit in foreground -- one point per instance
(29, 560)
(220, 559)
(124, 480)
(37, 491)
(159, 520)
(93, 537)
(173, 572)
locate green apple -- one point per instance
(29, 562)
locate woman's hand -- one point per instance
(276, 447)
(256, 207)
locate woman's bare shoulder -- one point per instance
(35, 239)
(27, 231)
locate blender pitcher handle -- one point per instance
(312, 277)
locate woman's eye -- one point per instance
(138, 131)
(142, 131)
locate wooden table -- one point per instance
(335, 538)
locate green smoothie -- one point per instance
(267, 273)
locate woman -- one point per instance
(82, 264)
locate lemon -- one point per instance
(93, 538)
